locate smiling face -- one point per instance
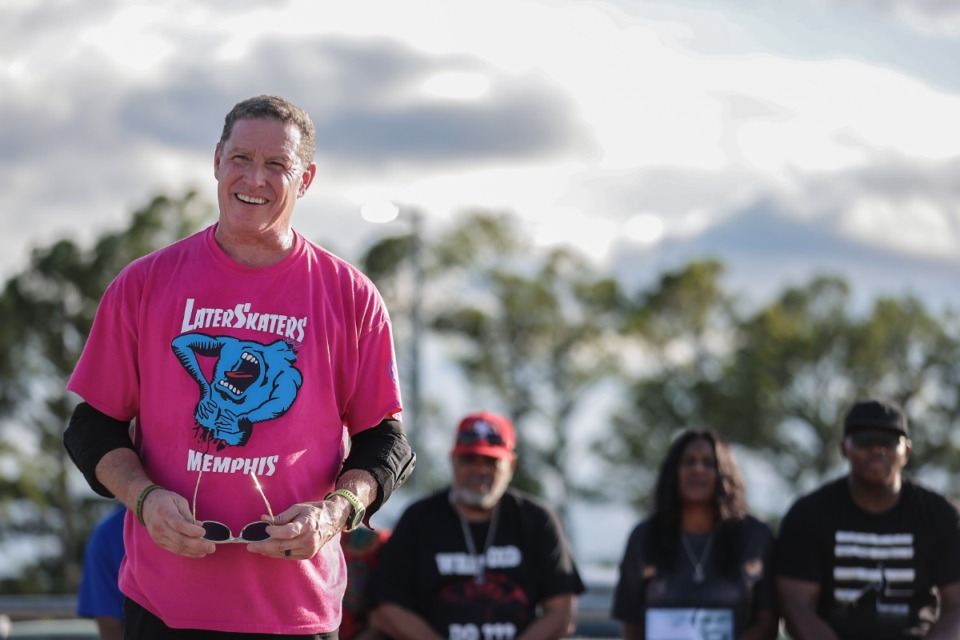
(259, 178)
(697, 474)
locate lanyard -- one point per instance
(479, 561)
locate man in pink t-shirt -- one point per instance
(241, 355)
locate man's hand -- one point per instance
(302, 530)
(170, 524)
(948, 624)
(798, 603)
(166, 514)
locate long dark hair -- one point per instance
(663, 541)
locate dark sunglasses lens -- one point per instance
(472, 437)
(255, 531)
(868, 441)
(215, 531)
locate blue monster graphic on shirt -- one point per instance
(251, 383)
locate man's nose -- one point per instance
(256, 174)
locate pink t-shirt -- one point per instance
(237, 370)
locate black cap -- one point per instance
(876, 414)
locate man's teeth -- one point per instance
(251, 199)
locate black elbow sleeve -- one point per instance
(89, 436)
(384, 452)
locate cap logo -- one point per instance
(484, 429)
(480, 431)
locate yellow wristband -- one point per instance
(358, 510)
(143, 496)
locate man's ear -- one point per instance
(843, 448)
(216, 162)
(306, 178)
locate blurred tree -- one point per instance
(535, 332)
(806, 357)
(48, 310)
(940, 441)
(680, 334)
(904, 353)
(778, 381)
(789, 379)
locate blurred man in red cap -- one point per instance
(477, 559)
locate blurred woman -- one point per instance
(700, 566)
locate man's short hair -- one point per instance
(274, 108)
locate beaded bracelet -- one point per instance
(142, 498)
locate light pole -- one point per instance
(382, 212)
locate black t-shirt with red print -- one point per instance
(426, 567)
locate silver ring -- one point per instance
(286, 552)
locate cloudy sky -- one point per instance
(784, 137)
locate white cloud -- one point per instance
(129, 38)
(592, 235)
(582, 115)
(937, 17)
(644, 228)
(456, 85)
(914, 225)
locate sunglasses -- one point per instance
(867, 440)
(472, 437)
(219, 533)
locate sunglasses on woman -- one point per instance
(219, 533)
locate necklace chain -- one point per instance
(479, 561)
(698, 574)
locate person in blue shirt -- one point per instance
(100, 597)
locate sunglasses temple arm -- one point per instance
(264, 496)
(196, 488)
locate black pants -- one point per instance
(140, 624)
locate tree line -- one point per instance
(540, 334)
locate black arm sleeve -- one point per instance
(384, 452)
(89, 436)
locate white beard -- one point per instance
(480, 499)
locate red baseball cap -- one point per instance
(485, 434)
